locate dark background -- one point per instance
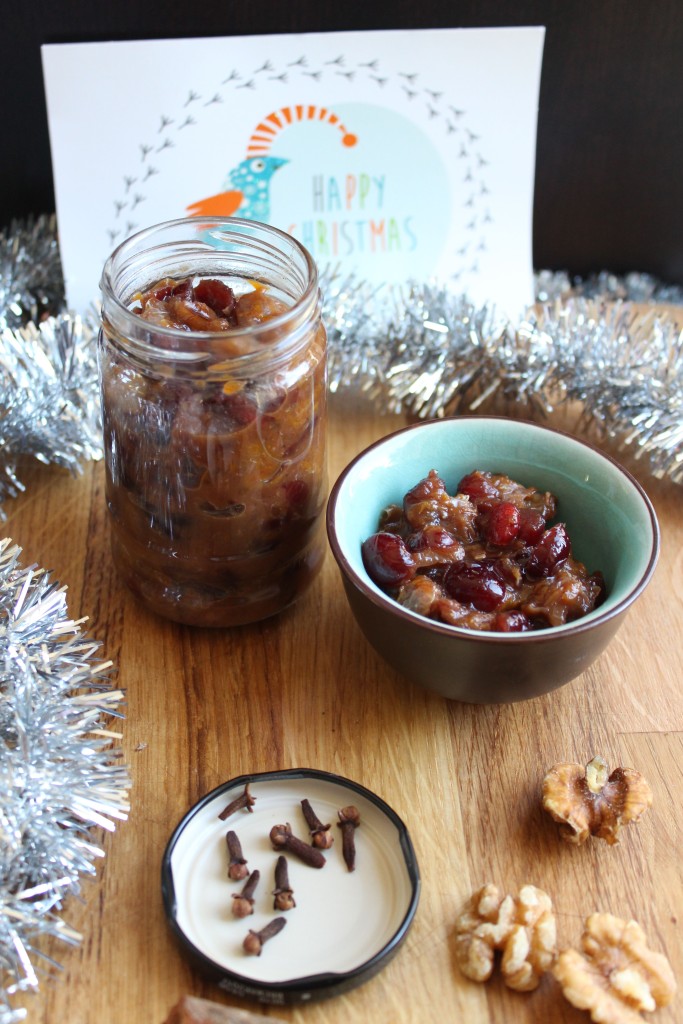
(609, 174)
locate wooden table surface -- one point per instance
(306, 690)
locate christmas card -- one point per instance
(392, 156)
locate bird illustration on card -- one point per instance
(246, 189)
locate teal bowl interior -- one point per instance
(610, 520)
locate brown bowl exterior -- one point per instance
(473, 668)
(609, 516)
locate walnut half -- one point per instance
(616, 975)
(591, 801)
(521, 927)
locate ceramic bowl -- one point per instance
(609, 517)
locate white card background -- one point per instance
(436, 185)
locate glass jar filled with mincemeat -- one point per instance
(212, 360)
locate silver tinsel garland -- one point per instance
(426, 352)
(421, 349)
(31, 280)
(60, 769)
(49, 401)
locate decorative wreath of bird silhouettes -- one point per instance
(247, 186)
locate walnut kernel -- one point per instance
(616, 975)
(591, 801)
(522, 927)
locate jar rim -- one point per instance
(116, 310)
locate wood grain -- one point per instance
(306, 690)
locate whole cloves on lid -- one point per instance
(282, 839)
(237, 866)
(283, 892)
(255, 941)
(243, 902)
(349, 820)
(244, 801)
(320, 834)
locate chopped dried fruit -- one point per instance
(420, 595)
(429, 504)
(531, 525)
(434, 546)
(387, 560)
(493, 562)
(592, 802)
(512, 622)
(476, 584)
(218, 295)
(552, 549)
(616, 975)
(480, 489)
(501, 525)
(486, 489)
(522, 928)
(216, 461)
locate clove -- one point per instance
(282, 839)
(321, 835)
(237, 868)
(244, 800)
(254, 942)
(283, 893)
(243, 902)
(349, 820)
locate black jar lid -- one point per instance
(346, 925)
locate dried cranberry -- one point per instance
(500, 525)
(531, 525)
(173, 391)
(183, 289)
(218, 296)
(552, 549)
(387, 560)
(239, 408)
(505, 569)
(512, 622)
(433, 538)
(297, 493)
(479, 488)
(476, 584)
(435, 573)
(202, 420)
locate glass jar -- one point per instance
(214, 439)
